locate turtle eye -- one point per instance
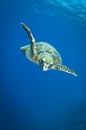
(41, 62)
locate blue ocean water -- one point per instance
(30, 98)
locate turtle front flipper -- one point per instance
(32, 39)
(65, 69)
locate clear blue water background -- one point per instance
(30, 98)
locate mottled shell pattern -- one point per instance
(41, 49)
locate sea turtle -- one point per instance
(43, 54)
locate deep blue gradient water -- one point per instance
(30, 98)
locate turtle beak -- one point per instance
(45, 69)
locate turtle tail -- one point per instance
(66, 69)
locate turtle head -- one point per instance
(45, 63)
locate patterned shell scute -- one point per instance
(42, 47)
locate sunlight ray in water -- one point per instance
(73, 9)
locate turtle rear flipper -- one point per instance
(66, 69)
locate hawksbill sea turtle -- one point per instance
(43, 54)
